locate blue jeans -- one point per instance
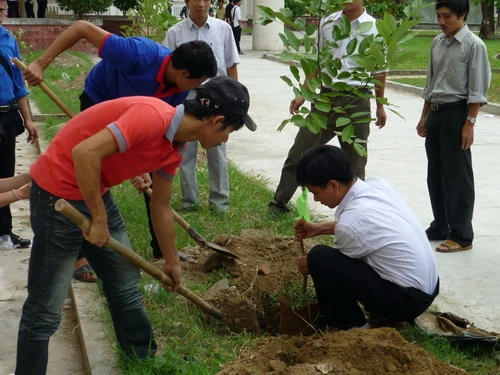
(56, 243)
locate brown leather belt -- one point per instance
(444, 106)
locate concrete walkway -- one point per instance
(469, 280)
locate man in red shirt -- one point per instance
(99, 148)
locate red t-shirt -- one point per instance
(143, 128)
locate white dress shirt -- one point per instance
(326, 28)
(377, 226)
(216, 33)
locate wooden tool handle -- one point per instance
(46, 90)
(184, 224)
(83, 222)
(303, 249)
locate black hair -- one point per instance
(321, 164)
(460, 7)
(194, 108)
(197, 57)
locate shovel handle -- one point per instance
(46, 90)
(303, 249)
(184, 224)
(83, 222)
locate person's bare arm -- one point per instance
(306, 229)
(7, 184)
(422, 123)
(12, 189)
(69, 37)
(163, 223)
(28, 123)
(379, 93)
(468, 128)
(233, 71)
(87, 159)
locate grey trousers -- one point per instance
(217, 173)
(306, 139)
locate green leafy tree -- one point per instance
(297, 7)
(125, 5)
(371, 53)
(150, 18)
(377, 8)
(80, 8)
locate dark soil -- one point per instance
(298, 343)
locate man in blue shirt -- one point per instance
(130, 67)
(14, 117)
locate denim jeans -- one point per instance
(56, 243)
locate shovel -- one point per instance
(46, 90)
(196, 236)
(83, 222)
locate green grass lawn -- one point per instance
(180, 328)
(420, 47)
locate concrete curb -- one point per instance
(492, 108)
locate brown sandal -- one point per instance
(450, 246)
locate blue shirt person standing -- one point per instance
(14, 118)
(458, 78)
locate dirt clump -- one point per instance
(380, 351)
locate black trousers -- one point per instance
(13, 9)
(450, 178)
(29, 9)
(9, 121)
(341, 282)
(237, 37)
(42, 7)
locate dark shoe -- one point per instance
(275, 211)
(20, 242)
(85, 274)
(218, 209)
(241, 53)
(189, 206)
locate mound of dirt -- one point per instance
(248, 302)
(377, 351)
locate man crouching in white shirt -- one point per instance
(381, 259)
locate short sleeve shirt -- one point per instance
(216, 33)
(129, 67)
(10, 88)
(144, 130)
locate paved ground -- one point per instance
(469, 280)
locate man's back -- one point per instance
(376, 224)
(129, 67)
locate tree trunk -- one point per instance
(487, 30)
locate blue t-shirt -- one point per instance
(130, 67)
(10, 88)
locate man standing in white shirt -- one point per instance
(236, 19)
(381, 259)
(218, 34)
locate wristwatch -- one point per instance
(472, 120)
